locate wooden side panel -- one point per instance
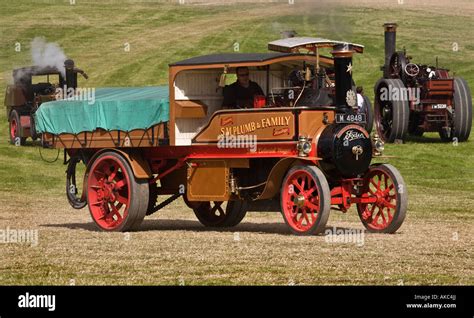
(109, 139)
(266, 125)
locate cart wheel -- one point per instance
(391, 116)
(117, 200)
(220, 214)
(15, 128)
(305, 200)
(386, 215)
(76, 201)
(462, 117)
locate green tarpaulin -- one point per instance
(117, 108)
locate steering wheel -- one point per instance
(412, 69)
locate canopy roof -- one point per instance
(230, 58)
(291, 45)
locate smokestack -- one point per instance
(390, 45)
(342, 54)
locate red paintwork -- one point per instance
(25, 121)
(344, 196)
(108, 192)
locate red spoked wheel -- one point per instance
(305, 200)
(386, 191)
(117, 201)
(15, 128)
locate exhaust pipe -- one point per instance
(342, 54)
(390, 45)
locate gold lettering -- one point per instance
(252, 126)
(274, 121)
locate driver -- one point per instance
(241, 93)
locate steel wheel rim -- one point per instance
(109, 192)
(301, 204)
(379, 215)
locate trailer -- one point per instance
(300, 148)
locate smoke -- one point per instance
(44, 54)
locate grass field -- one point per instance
(434, 246)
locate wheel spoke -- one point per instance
(112, 175)
(305, 215)
(389, 205)
(120, 184)
(311, 190)
(312, 206)
(121, 199)
(295, 183)
(116, 213)
(303, 182)
(375, 221)
(384, 221)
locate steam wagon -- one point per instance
(300, 147)
(32, 86)
(417, 98)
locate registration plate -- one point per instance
(350, 118)
(439, 106)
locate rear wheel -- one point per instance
(15, 129)
(117, 200)
(305, 200)
(385, 186)
(391, 114)
(462, 113)
(220, 214)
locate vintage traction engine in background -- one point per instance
(32, 86)
(415, 98)
(309, 156)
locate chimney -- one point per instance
(390, 45)
(342, 54)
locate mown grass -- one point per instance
(439, 176)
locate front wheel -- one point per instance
(305, 200)
(117, 200)
(385, 189)
(391, 110)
